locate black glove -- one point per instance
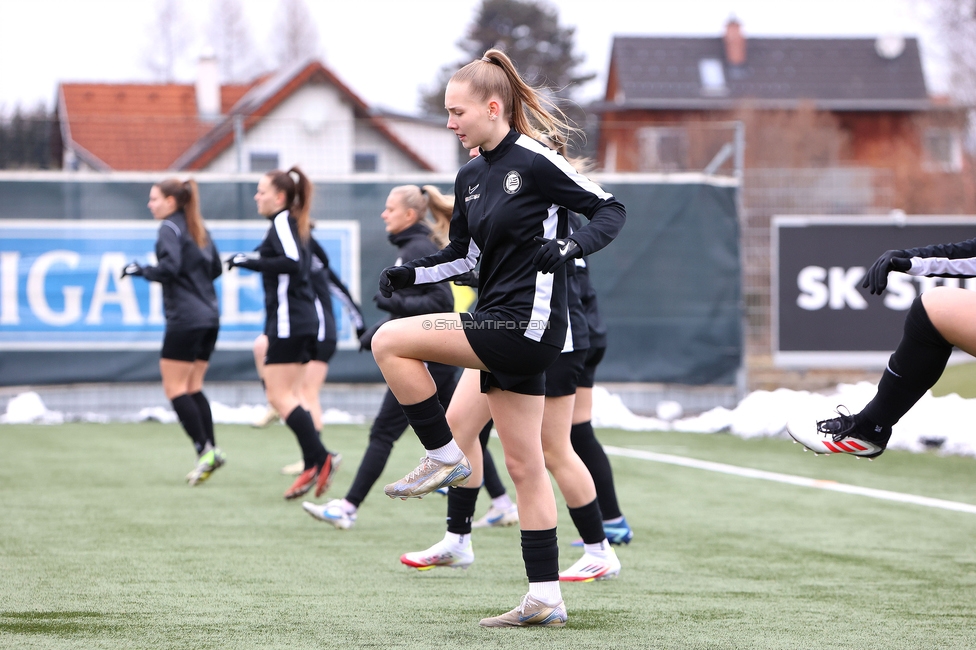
(876, 279)
(394, 278)
(132, 268)
(366, 338)
(554, 253)
(243, 260)
(469, 279)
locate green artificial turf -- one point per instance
(102, 545)
(959, 379)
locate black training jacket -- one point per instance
(596, 329)
(503, 199)
(413, 243)
(327, 285)
(187, 273)
(285, 267)
(944, 260)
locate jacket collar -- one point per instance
(418, 229)
(503, 147)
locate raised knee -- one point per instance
(382, 342)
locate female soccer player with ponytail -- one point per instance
(510, 203)
(284, 260)
(187, 263)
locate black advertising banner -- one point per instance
(821, 315)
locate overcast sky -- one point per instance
(386, 49)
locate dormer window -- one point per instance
(712, 76)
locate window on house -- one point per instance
(943, 150)
(662, 149)
(712, 76)
(365, 162)
(263, 161)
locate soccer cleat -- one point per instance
(270, 417)
(618, 533)
(327, 472)
(530, 612)
(302, 484)
(331, 513)
(206, 464)
(840, 435)
(442, 491)
(590, 567)
(497, 517)
(440, 554)
(294, 469)
(427, 477)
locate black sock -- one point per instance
(540, 552)
(493, 482)
(591, 452)
(428, 421)
(461, 502)
(313, 452)
(916, 365)
(186, 409)
(206, 415)
(589, 522)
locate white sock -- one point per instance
(348, 508)
(600, 550)
(502, 503)
(547, 592)
(449, 454)
(456, 542)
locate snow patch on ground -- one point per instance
(935, 422)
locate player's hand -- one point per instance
(132, 268)
(876, 279)
(469, 279)
(394, 278)
(243, 260)
(554, 253)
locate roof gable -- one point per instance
(829, 71)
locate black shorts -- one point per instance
(562, 377)
(515, 363)
(189, 345)
(295, 349)
(593, 358)
(324, 350)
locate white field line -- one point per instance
(802, 481)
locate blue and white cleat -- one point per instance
(618, 533)
(498, 517)
(331, 513)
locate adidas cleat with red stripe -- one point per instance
(591, 567)
(841, 435)
(441, 554)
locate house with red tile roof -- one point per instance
(302, 115)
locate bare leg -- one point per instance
(315, 374)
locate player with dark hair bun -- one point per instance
(284, 260)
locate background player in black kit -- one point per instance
(291, 320)
(187, 263)
(509, 205)
(404, 216)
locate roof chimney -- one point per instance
(208, 85)
(735, 43)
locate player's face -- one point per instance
(160, 206)
(468, 117)
(269, 199)
(396, 216)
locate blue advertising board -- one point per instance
(60, 287)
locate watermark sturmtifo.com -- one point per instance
(451, 324)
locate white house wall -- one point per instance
(316, 129)
(389, 159)
(434, 143)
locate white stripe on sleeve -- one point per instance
(441, 272)
(965, 266)
(284, 235)
(542, 301)
(284, 318)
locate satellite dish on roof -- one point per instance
(889, 46)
